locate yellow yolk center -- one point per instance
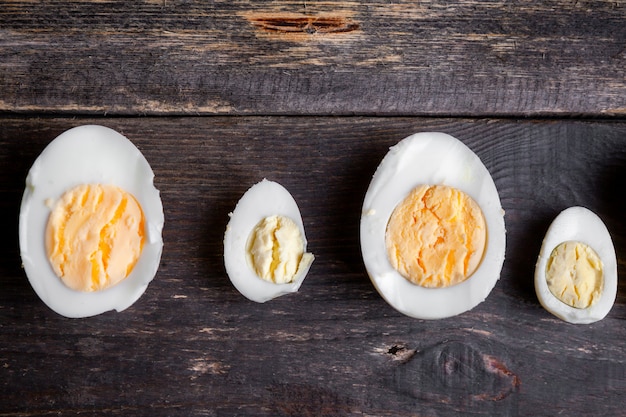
(94, 236)
(436, 237)
(574, 274)
(276, 249)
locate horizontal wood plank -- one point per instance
(192, 345)
(531, 58)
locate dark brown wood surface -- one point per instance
(192, 345)
(218, 95)
(493, 57)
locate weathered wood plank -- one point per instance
(193, 346)
(399, 58)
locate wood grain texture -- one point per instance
(194, 346)
(529, 58)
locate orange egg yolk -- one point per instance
(94, 236)
(436, 236)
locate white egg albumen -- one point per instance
(436, 159)
(86, 155)
(266, 198)
(582, 225)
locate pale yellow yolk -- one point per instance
(94, 236)
(276, 249)
(574, 274)
(436, 237)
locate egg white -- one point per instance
(582, 225)
(266, 198)
(435, 159)
(85, 155)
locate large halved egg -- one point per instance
(80, 264)
(576, 272)
(423, 165)
(264, 243)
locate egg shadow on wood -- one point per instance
(212, 247)
(524, 240)
(346, 192)
(611, 183)
(16, 161)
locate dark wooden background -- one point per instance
(220, 94)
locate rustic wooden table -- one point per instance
(220, 94)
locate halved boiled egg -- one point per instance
(432, 227)
(264, 243)
(576, 272)
(90, 223)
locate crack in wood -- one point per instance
(304, 24)
(395, 349)
(400, 352)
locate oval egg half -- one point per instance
(578, 224)
(430, 158)
(263, 200)
(88, 155)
